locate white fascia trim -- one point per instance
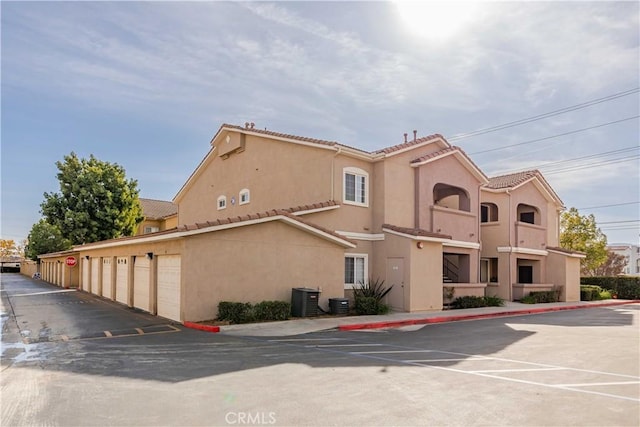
(421, 238)
(370, 237)
(567, 254)
(181, 234)
(462, 244)
(518, 250)
(310, 211)
(278, 138)
(443, 144)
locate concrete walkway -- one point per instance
(299, 326)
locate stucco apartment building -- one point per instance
(631, 254)
(266, 212)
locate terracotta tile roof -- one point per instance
(410, 144)
(387, 150)
(418, 232)
(280, 135)
(566, 251)
(259, 215)
(514, 179)
(511, 180)
(157, 209)
(313, 206)
(435, 154)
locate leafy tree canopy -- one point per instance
(613, 266)
(581, 233)
(96, 201)
(45, 238)
(8, 248)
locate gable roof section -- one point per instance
(459, 154)
(414, 232)
(225, 224)
(158, 209)
(568, 252)
(513, 181)
(416, 143)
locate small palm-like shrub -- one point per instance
(368, 297)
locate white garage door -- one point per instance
(169, 286)
(122, 280)
(85, 274)
(106, 278)
(141, 283)
(95, 269)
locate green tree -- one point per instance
(96, 201)
(613, 266)
(8, 248)
(45, 238)
(581, 233)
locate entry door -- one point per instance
(141, 282)
(395, 277)
(169, 286)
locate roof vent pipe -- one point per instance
(415, 135)
(405, 137)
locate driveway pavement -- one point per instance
(569, 367)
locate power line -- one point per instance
(555, 136)
(545, 115)
(619, 222)
(610, 206)
(590, 165)
(591, 156)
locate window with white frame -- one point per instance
(355, 187)
(149, 229)
(222, 202)
(245, 196)
(355, 269)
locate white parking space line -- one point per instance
(307, 339)
(393, 351)
(44, 293)
(345, 345)
(440, 360)
(514, 370)
(597, 384)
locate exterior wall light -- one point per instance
(420, 245)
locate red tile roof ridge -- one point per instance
(280, 135)
(512, 179)
(418, 232)
(393, 148)
(436, 154)
(564, 250)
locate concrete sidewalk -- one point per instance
(306, 325)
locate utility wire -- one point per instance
(608, 162)
(610, 206)
(619, 222)
(591, 156)
(555, 136)
(546, 115)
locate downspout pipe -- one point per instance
(510, 244)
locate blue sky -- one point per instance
(147, 84)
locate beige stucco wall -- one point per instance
(564, 271)
(461, 225)
(54, 270)
(28, 268)
(256, 263)
(278, 175)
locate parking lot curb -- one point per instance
(201, 327)
(457, 318)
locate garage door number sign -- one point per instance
(71, 261)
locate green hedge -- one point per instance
(623, 287)
(370, 305)
(476, 302)
(244, 312)
(590, 293)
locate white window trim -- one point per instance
(366, 268)
(221, 199)
(243, 192)
(149, 229)
(367, 184)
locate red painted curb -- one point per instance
(200, 327)
(457, 318)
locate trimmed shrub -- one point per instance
(468, 302)
(528, 299)
(590, 292)
(623, 287)
(368, 297)
(244, 312)
(493, 301)
(537, 297)
(272, 310)
(605, 295)
(235, 312)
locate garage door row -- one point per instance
(144, 282)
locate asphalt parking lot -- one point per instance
(576, 367)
